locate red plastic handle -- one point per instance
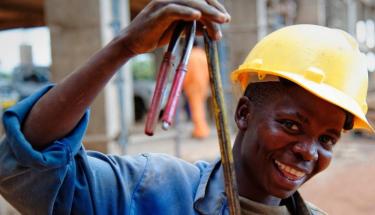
(161, 82)
(175, 93)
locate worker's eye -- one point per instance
(290, 125)
(327, 141)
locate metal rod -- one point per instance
(119, 81)
(222, 126)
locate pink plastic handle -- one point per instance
(175, 93)
(161, 82)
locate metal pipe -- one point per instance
(119, 80)
(222, 126)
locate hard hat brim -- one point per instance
(321, 90)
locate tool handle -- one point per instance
(153, 112)
(222, 126)
(175, 93)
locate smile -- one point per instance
(289, 172)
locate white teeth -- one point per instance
(289, 169)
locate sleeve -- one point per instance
(63, 178)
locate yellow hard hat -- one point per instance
(326, 62)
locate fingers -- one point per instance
(219, 6)
(179, 12)
(164, 39)
(154, 24)
(212, 12)
(212, 29)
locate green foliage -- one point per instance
(143, 67)
(5, 75)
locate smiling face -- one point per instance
(285, 138)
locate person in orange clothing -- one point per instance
(196, 89)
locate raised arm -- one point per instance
(59, 110)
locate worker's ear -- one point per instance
(243, 111)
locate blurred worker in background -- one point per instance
(196, 88)
(302, 86)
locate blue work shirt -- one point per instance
(65, 179)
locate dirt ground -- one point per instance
(348, 185)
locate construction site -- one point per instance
(78, 29)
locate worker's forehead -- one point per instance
(270, 96)
(304, 106)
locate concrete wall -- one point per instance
(75, 36)
(79, 29)
(241, 34)
(311, 12)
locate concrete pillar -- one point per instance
(115, 129)
(78, 29)
(26, 55)
(242, 33)
(247, 25)
(262, 18)
(311, 12)
(340, 14)
(352, 15)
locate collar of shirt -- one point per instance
(250, 207)
(210, 197)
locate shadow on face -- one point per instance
(286, 136)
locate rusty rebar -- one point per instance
(222, 126)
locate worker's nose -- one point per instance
(306, 150)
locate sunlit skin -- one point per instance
(295, 128)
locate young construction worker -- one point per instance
(303, 85)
